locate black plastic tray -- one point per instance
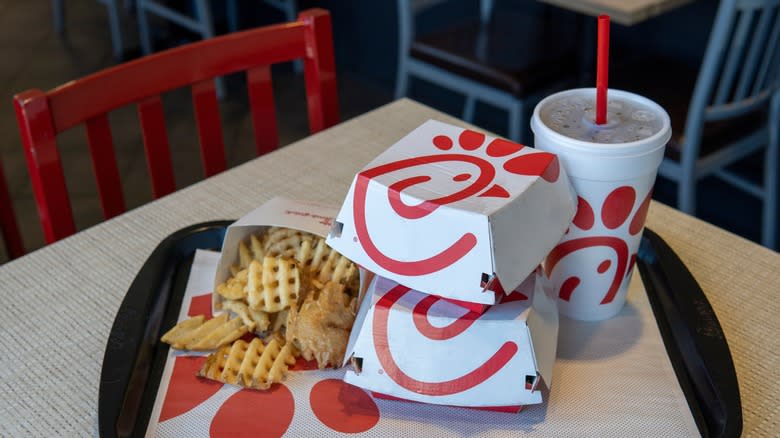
(134, 359)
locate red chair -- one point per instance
(43, 115)
(8, 226)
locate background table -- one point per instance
(58, 303)
(625, 12)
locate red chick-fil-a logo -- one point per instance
(615, 212)
(470, 142)
(420, 318)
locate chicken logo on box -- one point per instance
(448, 210)
(416, 346)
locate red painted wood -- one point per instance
(101, 149)
(8, 225)
(43, 162)
(261, 102)
(212, 147)
(158, 152)
(41, 116)
(320, 70)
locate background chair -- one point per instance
(733, 112)
(114, 22)
(509, 60)
(43, 115)
(8, 225)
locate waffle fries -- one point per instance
(294, 292)
(251, 365)
(197, 334)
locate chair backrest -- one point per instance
(43, 115)
(8, 224)
(740, 69)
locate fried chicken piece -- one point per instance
(320, 327)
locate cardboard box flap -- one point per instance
(428, 211)
(282, 212)
(543, 325)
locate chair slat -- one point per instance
(770, 58)
(101, 148)
(757, 44)
(43, 162)
(320, 72)
(261, 102)
(734, 59)
(158, 152)
(8, 224)
(212, 147)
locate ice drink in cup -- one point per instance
(612, 167)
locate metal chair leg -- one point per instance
(203, 11)
(515, 118)
(232, 15)
(468, 108)
(116, 28)
(143, 27)
(771, 180)
(58, 7)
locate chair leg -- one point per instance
(143, 27)
(515, 118)
(771, 180)
(116, 28)
(686, 193)
(203, 11)
(232, 15)
(468, 108)
(58, 8)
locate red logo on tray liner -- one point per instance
(539, 164)
(475, 377)
(340, 407)
(615, 213)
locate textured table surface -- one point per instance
(625, 12)
(59, 302)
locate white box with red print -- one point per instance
(453, 212)
(415, 346)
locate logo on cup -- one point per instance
(615, 213)
(480, 182)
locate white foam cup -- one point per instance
(612, 167)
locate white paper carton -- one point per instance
(449, 211)
(300, 215)
(416, 346)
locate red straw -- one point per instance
(602, 69)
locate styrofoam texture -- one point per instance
(600, 161)
(417, 347)
(600, 258)
(441, 207)
(594, 260)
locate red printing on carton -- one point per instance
(473, 378)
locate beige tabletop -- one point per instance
(59, 303)
(625, 12)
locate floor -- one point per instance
(37, 57)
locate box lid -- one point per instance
(448, 210)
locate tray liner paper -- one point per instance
(611, 380)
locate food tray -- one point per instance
(134, 357)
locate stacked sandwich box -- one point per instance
(454, 223)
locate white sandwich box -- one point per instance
(415, 346)
(456, 213)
